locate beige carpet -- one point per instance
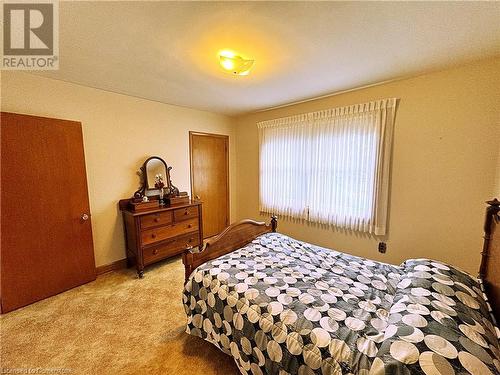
(117, 324)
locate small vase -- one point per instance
(161, 197)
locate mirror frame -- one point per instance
(169, 189)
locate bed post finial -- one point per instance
(491, 212)
(494, 202)
(274, 223)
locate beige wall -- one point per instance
(445, 152)
(119, 133)
(445, 159)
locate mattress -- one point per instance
(282, 306)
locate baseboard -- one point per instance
(118, 265)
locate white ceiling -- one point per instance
(167, 51)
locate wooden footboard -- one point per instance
(232, 238)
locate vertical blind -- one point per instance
(329, 167)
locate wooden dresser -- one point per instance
(161, 233)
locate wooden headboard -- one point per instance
(233, 237)
(489, 270)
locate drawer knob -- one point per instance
(153, 235)
(186, 212)
(157, 219)
(155, 251)
(190, 240)
(190, 225)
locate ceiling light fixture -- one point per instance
(237, 65)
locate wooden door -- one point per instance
(210, 179)
(45, 219)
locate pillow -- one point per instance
(439, 323)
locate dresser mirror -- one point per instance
(150, 171)
(153, 167)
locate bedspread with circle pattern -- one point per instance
(282, 306)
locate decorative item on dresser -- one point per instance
(159, 221)
(155, 180)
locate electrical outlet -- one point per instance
(382, 247)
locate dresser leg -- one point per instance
(140, 273)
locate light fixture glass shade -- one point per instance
(234, 63)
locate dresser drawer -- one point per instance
(151, 236)
(185, 213)
(153, 220)
(171, 248)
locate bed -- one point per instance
(282, 306)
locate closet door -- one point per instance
(210, 179)
(45, 218)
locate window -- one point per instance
(329, 167)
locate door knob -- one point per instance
(84, 217)
(197, 197)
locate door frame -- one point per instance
(226, 141)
